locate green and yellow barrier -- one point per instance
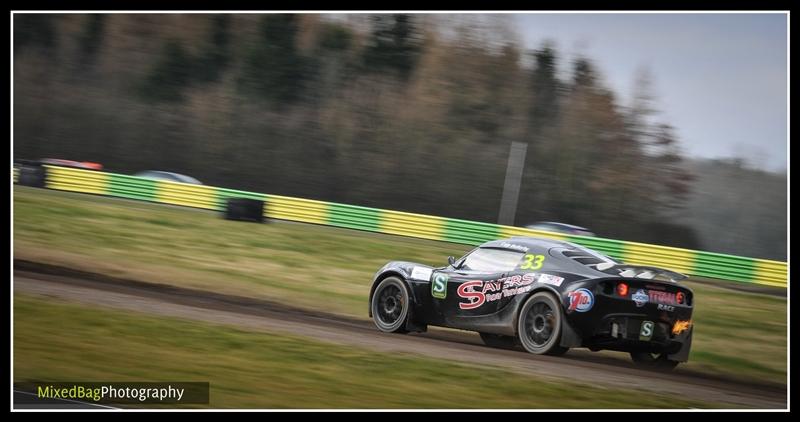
(691, 262)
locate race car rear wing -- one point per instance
(640, 271)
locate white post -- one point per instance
(516, 163)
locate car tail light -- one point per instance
(622, 289)
(680, 297)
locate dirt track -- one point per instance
(577, 366)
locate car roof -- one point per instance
(159, 172)
(528, 242)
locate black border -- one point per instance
(407, 5)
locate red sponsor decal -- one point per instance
(516, 280)
(478, 292)
(476, 298)
(577, 298)
(581, 300)
(492, 285)
(665, 298)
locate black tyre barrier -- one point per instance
(32, 175)
(244, 209)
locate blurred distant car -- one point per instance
(168, 176)
(560, 228)
(88, 165)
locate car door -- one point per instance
(471, 288)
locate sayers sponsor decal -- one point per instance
(478, 292)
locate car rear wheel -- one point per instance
(499, 341)
(390, 305)
(539, 325)
(654, 360)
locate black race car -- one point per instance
(545, 295)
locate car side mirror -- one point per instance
(451, 261)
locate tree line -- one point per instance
(407, 112)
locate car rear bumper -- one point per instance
(622, 324)
(627, 333)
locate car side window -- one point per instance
(492, 260)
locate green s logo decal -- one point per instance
(439, 286)
(646, 332)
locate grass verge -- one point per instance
(54, 341)
(737, 334)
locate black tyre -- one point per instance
(654, 360)
(499, 341)
(32, 175)
(244, 209)
(539, 325)
(390, 305)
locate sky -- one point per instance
(719, 79)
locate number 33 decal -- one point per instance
(532, 262)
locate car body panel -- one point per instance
(168, 176)
(86, 165)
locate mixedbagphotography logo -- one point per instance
(105, 393)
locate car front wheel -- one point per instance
(390, 305)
